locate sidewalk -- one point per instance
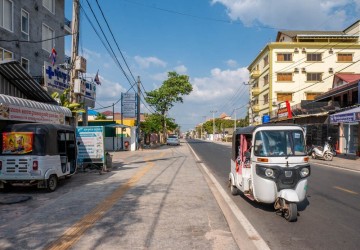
(341, 161)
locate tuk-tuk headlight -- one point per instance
(304, 172)
(269, 172)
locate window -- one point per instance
(50, 5)
(314, 57)
(344, 57)
(266, 98)
(284, 57)
(266, 79)
(47, 34)
(313, 77)
(284, 77)
(311, 96)
(25, 64)
(5, 55)
(6, 14)
(266, 61)
(282, 97)
(24, 25)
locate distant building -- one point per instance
(300, 65)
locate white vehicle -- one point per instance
(269, 165)
(36, 154)
(173, 140)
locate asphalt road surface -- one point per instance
(328, 219)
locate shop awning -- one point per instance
(117, 126)
(347, 116)
(11, 101)
(18, 76)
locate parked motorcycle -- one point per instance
(325, 152)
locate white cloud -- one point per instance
(220, 86)
(181, 69)
(91, 55)
(231, 63)
(285, 14)
(146, 62)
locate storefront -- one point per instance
(348, 130)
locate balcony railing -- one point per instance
(255, 74)
(255, 91)
(67, 26)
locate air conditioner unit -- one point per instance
(303, 50)
(296, 70)
(296, 50)
(331, 51)
(331, 70)
(79, 87)
(303, 70)
(80, 64)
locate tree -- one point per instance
(100, 116)
(154, 124)
(170, 92)
(64, 100)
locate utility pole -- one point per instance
(213, 112)
(74, 53)
(138, 112)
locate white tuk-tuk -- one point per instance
(269, 165)
(36, 154)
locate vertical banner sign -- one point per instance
(128, 105)
(90, 144)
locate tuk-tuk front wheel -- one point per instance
(290, 212)
(234, 190)
(52, 183)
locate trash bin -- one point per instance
(108, 161)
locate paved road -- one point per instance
(329, 219)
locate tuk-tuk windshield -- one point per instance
(279, 143)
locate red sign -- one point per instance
(285, 111)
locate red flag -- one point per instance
(97, 79)
(52, 56)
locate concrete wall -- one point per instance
(38, 15)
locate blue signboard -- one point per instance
(345, 118)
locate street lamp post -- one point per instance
(213, 112)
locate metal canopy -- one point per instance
(18, 76)
(10, 100)
(117, 126)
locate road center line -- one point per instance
(74, 233)
(345, 190)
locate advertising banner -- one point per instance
(90, 144)
(12, 112)
(345, 118)
(17, 142)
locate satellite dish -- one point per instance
(257, 118)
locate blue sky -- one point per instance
(211, 41)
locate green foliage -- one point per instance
(100, 116)
(221, 124)
(64, 100)
(170, 92)
(154, 124)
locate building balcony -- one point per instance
(255, 91)
(67, 26)
(256, 108)
(255, 74)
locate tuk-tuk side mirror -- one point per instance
(247, 154)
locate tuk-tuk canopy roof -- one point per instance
(250, 129)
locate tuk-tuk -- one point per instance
(269, 165)
(36, 154)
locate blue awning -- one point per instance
(347, 116)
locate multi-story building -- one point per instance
(300, 65)
(29, 31)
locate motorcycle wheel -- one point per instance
(291, 212)
(313, 155)
(328, 157)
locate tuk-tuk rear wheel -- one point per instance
(52, 183)
(290, 213)
(234, 190)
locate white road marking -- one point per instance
(258, 241)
